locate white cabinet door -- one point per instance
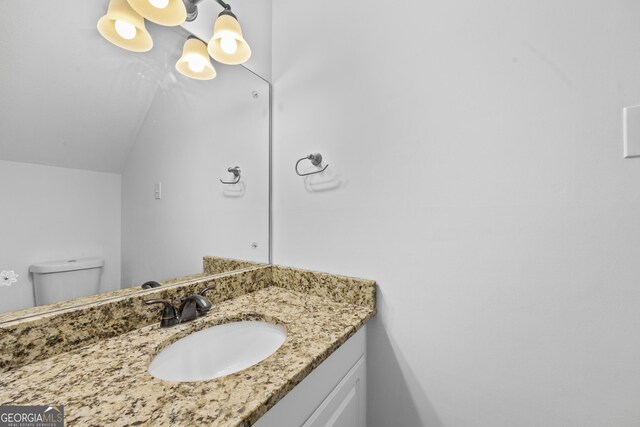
(345, 406)
(340, 378)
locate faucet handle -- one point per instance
(193, 306)
(207, 289)
(169, 315)
(203, 305)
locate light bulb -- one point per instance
(228, 45)
(126, 30)
(197, 63)
(160, 4)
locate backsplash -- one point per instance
(217, 265)
(350, 290)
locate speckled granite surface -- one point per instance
(64, 305)
(107, 383)
(38, 337)
(345, 289)
(217, 265)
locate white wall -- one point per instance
(77, 84)
(477, 148)
(191, 135)
(48, 214)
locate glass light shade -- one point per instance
(119, 10)
(173, 14)
(195, 62)
(126, 29)
(226, 27)
(160, 4)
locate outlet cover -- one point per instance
(632, 132)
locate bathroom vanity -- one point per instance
(334, 393)
(94, 360)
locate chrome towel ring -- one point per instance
(316, 160)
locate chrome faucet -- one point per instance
(192, 307)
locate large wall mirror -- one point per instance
(112, 155)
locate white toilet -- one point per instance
(62, 280)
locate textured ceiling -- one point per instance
(68, 97)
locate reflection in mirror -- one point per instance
(111, 161)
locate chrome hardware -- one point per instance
(236, 172)
(192, 8)
(316, 160)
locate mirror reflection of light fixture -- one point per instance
(195, 62)
(123, 27)
(227, 44)
(164, 12)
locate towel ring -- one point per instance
(316, 160)
(236, 172)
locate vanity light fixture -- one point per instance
(195, 62)
(164, 12)
(227, 44)
(123, 27)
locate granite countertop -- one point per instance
(107, 383)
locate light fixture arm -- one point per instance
(192, 8)
(224, 5)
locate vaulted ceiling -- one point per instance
(68, 97)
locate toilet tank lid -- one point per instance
(66, 265)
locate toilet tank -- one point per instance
(56, 281)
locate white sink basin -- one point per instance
(217, 351)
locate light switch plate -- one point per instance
(632, 132)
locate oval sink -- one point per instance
(217, 351)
